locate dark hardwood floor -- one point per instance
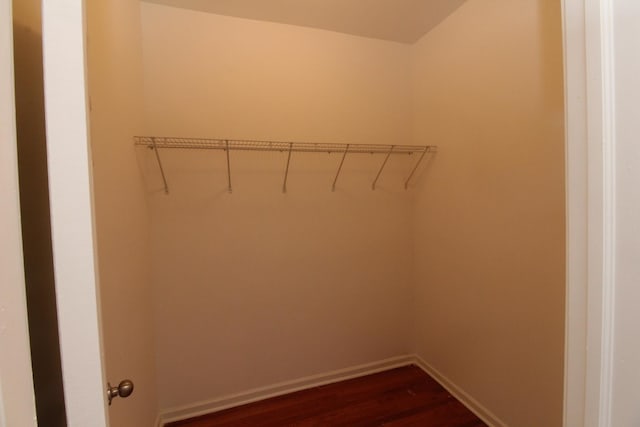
(400, 397)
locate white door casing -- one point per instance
(591, 168)
(576, 205)
(588, 302)
(72, 221)
(600, 284)
(17, 403)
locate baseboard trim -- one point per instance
(257, 394)
(158, 422)
(472, 404)
(279, 389)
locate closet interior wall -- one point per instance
(258, 286)
(466, 269)
(489, 216)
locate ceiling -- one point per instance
(404, 21)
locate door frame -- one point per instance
(590, 185)
(587, 26)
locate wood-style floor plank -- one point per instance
(401, 397)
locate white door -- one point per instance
(116, 214)
(72, 226)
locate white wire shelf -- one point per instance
(157, 142)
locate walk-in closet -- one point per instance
(290, 194)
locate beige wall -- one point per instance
(489, 219)
(208, 74)
(259, 287)
(122, 219)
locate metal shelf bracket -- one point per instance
(386, 159)
(286, 171)
(344, 156)
(164, 178)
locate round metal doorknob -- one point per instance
(124, 389)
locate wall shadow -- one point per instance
(36, 226)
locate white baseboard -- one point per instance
(279, 389)
(473, 405)
(257, 394)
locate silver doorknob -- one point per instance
(124, 389)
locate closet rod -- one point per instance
(155, 143)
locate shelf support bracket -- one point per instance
(230, 189)
(386, 159)
(344, 156)
(286, 172)
(415, 168)
(164, 178)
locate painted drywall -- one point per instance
(34, 209)
(245, 79)
(240, 277)
(489, 219)
(121, 214)
(257, 287)
(404, 21)
(626, 349)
